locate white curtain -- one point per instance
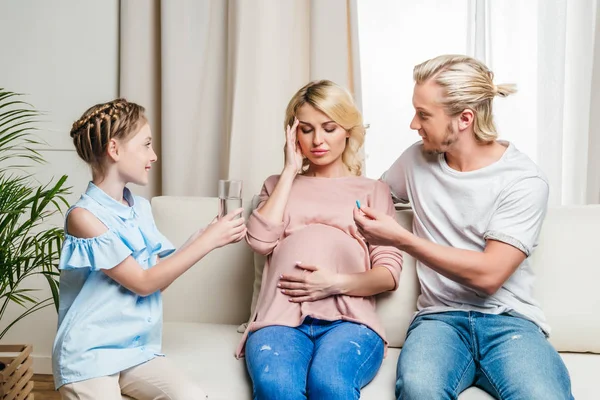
(216, 76)
(567, 134)
(593, 159)
(550, 47)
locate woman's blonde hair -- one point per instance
(467, 83)
(337, 103)
(117, 119)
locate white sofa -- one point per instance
(204, 308)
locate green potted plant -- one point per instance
(28, 245)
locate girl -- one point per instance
(110, 315)
(315, 333)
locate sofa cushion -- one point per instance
(259, 264)
(583, 369)
(205, 353)
(396, 309)
(566, 267)
(218, 288)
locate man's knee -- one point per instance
(548, 391)
(414, 386)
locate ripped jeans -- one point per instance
(319, 359)
(508, 357)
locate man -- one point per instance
(478, 204)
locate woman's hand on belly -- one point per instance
(311, 283)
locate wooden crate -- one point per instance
(15, 378)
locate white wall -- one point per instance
(65, 56)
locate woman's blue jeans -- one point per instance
(319, 359)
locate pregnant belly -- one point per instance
(322, 246)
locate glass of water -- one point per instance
(230, 196)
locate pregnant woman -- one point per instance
(315, 333)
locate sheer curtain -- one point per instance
(217, 76)
(547, 48)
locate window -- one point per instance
(394, 36)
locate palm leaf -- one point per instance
(26, 247)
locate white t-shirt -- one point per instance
(505, 201)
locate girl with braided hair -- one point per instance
(110, 314)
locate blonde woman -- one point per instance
(315, 333)
(479, 205)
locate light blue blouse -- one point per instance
(104, 328)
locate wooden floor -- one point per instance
(43, 388)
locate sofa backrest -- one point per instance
(567, 267)
(219, 289)
(396, 309)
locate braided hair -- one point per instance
(117, 119)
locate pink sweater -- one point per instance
(318, 229)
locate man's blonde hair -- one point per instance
(467, 83)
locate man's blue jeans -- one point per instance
(317, 360)
(507, 356)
